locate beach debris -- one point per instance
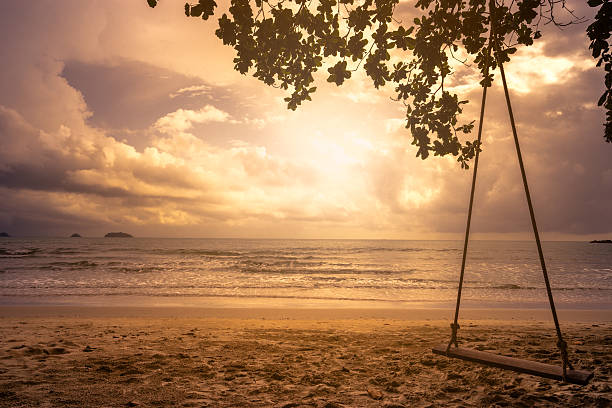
(321, 389)
(32, 351)
(289, 405)
(429, 362)
(374, 393)
(332, 404)
(451, 388)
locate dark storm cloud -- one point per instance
(29, 163)
(133, 95)
(127, 94)
(126, 97)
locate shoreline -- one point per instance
(440, 315)
(288, 303)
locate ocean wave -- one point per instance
(309, 285)
(325, 283)
(251, 268)
(18, 253)
(377, 299)
(196, 252)
(292, 263)
(217, 295)
(65, 251)
(242, 287)
(268, 269)
(295, 252)
(70, 265)
(124, 249)
(137, 269)
(510, 286)
(387, 249)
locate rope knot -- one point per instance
(453, 339)
(562, 344)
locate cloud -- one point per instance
(194, 90)
(531, 68)
(139, 122)
(178, 179)
(128, 94)
(183, 119)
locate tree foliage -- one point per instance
(285, 42)
(599, 34)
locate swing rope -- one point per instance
(455, 324)
(561, 343)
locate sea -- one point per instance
(229, 273)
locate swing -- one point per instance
(581, 377)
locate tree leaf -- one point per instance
(602, 99)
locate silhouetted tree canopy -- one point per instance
(284, 42)
(599, 34)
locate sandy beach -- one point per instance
(190, 357)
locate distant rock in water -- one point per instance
(602, 241)
(118, 235)
(75, 235)
(4, 234)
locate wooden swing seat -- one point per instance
(581, 377)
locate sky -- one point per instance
(118, 117)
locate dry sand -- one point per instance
(180, 357)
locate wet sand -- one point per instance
(189, 357)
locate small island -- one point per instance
(601, 241)
(75, 235)
(118, 235)
(4, 234)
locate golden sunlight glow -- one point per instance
(531, 69)
(141, 121)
